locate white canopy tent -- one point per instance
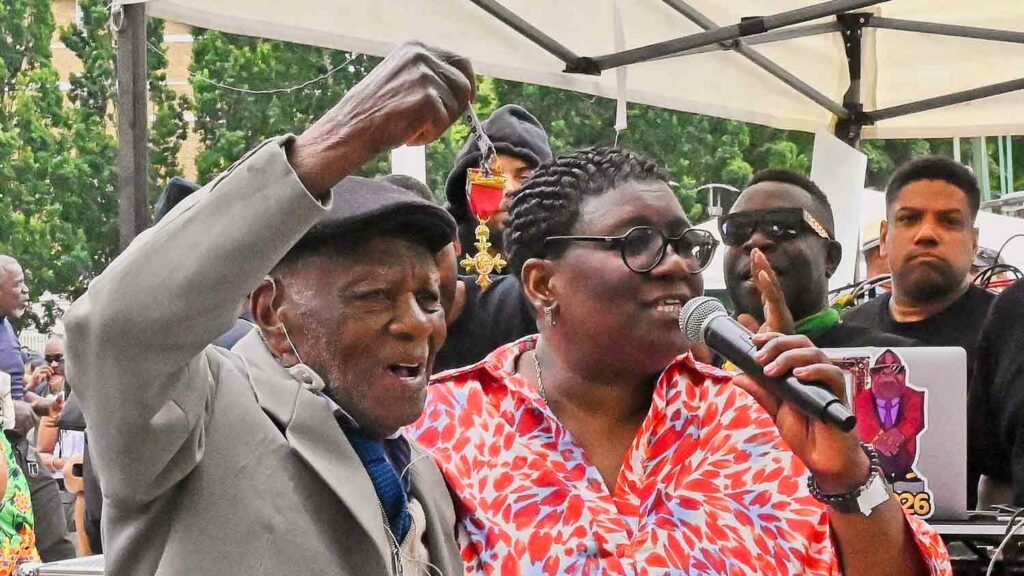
(897, 67)
(877, 68)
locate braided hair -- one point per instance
(549, 203)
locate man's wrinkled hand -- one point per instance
(412, 97)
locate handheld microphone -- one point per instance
(704, 320)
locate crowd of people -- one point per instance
(320, 389)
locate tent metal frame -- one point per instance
(132, 121)
(740, 37)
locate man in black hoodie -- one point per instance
(521, 144)
(481, 320)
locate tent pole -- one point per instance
(747, 27)
(535, 35)
(947, 100)
(768, 37)
(980, 164)
(132, 121)
(848, 129)
(765, 63)
(1010, 184)
(948, 30)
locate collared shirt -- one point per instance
(707, 487)
(396, 446)
(11, 361)
(888, 411)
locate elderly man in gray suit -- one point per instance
(283, 455)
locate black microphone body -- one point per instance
(708, 322)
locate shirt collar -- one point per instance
(346, 421)
(883, 403)
(502, 364)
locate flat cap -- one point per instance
(362, 206)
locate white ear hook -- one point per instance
(300, 372)
(306, 376)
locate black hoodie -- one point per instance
(514, 132)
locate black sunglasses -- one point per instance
(779, 224)
(51, 358)
(889, 369)
(643, 247)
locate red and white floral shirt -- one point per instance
(707, 487)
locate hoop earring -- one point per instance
(549, 314)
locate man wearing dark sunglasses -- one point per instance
(780, 253)
(48, 377)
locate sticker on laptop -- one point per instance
(891, 417)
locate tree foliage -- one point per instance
(695, 149)
(230, 122)
(169, 128)
(58, 161)
(58, 155)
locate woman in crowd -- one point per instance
(17, 533)
(596, 447)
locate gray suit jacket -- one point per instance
(214, 461)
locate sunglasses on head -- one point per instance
(779, 224)
(643, 247)
(889, 369)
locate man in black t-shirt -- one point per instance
(929, 241)
(996, 401)
(485, 320)
(780, 253)
(480, 320)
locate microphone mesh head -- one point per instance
(695, 313)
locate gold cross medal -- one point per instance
(484, 190)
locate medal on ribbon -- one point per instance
(485, 188)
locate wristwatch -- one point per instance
(864, 499)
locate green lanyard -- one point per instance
(817, 324)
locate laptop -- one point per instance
(911, 405)
(84, 566)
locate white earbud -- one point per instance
(300, 372)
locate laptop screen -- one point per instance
(911, 406)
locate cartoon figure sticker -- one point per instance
(891, 417)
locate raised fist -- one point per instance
(412, 97)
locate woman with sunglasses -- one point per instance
(601, 446)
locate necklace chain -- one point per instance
(540, 375)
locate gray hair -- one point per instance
(6, 262)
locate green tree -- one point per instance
(694, 149)
(44, 155)
(58, 155)
(230, 121)
(169, 129)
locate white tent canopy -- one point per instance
(898, 66)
